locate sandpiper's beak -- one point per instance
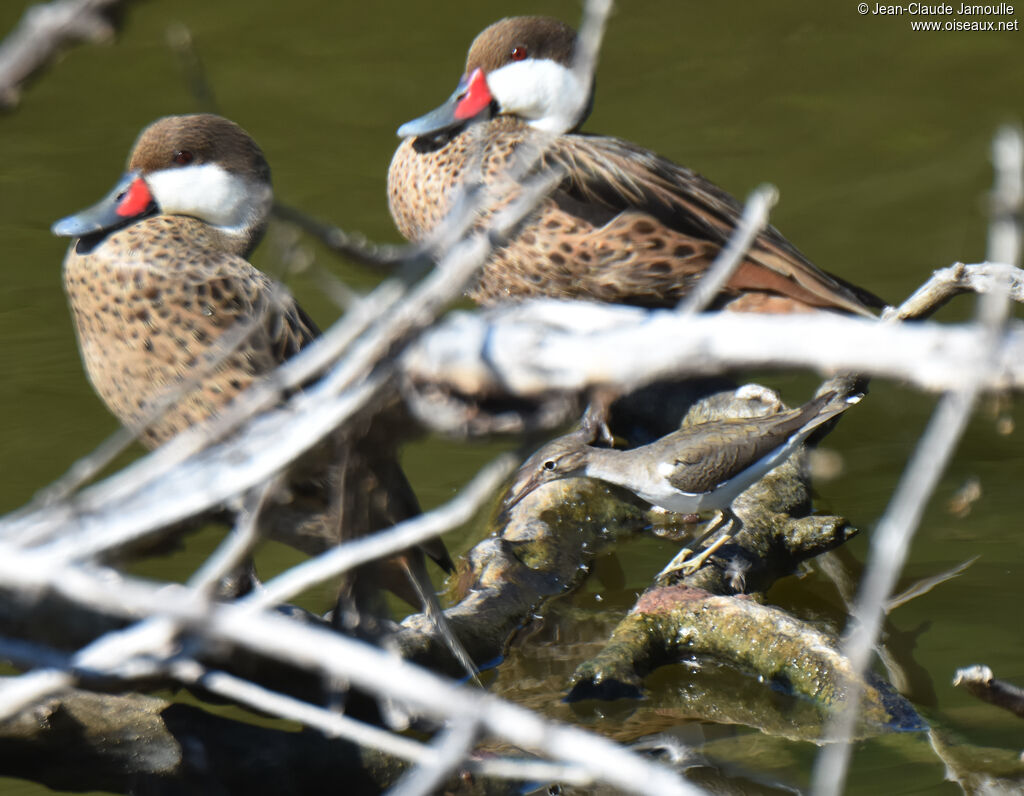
(130, 199)
(471, 98)
(521, 487)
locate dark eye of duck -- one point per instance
(549, 465)
(182, 157)
(518, 53)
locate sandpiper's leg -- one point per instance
(682, 561)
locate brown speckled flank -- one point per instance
(625, 225)
(151, 302)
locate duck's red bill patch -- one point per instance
(476, 97)
(136, 200)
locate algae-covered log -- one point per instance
(540, 549)
(671, 623)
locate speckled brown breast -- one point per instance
(150, 303)
(549, 257)
(624, 226)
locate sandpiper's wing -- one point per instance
(711, 453)
(623, 177)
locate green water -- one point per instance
(877, 137)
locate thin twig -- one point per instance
(956, 280)
(1006, 232)
(450, 747)
(328, 722)
(179, 39)
(584, 63)
(925, 585)
(891, 539)
(411, 532)
(351, 245)
(238, 545)
(753, 220)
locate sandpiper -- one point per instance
(698, 468)
(625, 225)
(173, 322)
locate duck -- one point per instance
(624, 225)
(173, 323)
(157, 273)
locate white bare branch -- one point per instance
(44, 31)
(352, 661)
(547, 345)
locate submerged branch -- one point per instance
(981, 683)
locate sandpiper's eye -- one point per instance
(182, 157)
(518, 53)
(549, 465)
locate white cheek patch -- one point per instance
(210, 193)
(545, 93)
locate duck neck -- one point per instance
(236, 207)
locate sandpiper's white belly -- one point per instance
(662, 494)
